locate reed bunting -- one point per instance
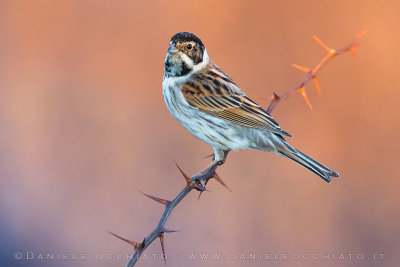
(213, 108)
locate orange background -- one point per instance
(83, 127)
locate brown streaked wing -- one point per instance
(225, 100)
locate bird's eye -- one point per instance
(189, 46)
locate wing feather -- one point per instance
(215, 93)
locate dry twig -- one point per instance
(311, 73)
(199, 182)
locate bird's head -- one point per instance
(186, 54)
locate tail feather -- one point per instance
(311, 164)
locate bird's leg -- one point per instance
(203, 176)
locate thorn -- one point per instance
(301, 68)
(327, 48)
(361, 34)
(216, 176)
(161, 236)
(276, 97)
(317, 85)
(187, 178)
(356, 43)
(208, 156)
(303, 93)
(159, 200)
(135, 244)
(165, 230)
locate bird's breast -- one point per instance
(175, 101)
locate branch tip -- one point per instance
(311, 72)
(356, 43)
(360, 34)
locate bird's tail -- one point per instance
(311, 164)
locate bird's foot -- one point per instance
(203, 176)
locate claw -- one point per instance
(209, 156)
(201, 192)
(200, 187)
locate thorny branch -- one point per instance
(198, 182)
(311, 73)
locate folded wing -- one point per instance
(219, 96)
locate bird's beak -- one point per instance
(172, 49)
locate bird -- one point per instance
(211, 106)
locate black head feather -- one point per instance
(183, 39)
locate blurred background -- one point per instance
(83, 127)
